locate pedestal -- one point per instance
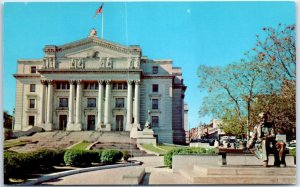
(106, 127)
(77, 127)
(47, 126)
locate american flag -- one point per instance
(99, 10)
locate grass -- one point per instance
(160, 148)
(151, 147)
(168, 147)
(13, 144)
(81, 146)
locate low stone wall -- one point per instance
(29, 131)
(188, 161)
(206, 145)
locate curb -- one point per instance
(147, 151)
(73, 145)
(72, 172)
(91, 145)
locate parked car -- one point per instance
(291, 146)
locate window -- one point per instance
(154, 87)
(91, 102)
(154, 103)
(119, 102)
(31, 120)
(63, 102)
(63, 85)
(91, 86)
(32, 87)
(155, 121)
(119, 86)
(31, 103)
(33, 69)
(155, 69)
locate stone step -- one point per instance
(134, 176)
(238, 171)
(196, 178)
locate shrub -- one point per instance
(188, 151)
(81, 157)
(111, 156)
(292, 152)
(126, 155)
(47, 158)
(18, 165)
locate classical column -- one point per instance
(49, 105)
(42, 105)
(71, 107)
(78, 105)
(100, 103)
(107, 104)
(137, 104)
(129, 105)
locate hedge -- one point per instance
(185, 151)
(76, 157)
(111, 156)
(19, 165)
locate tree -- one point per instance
(263, 79)
(7, 120)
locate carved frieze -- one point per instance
(77, 63)
(49, 62)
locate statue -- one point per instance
(93, 32)
(148, 124)
(263, 141)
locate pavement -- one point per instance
(156, 174)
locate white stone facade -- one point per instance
(93, 84)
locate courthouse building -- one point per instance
(94, 84)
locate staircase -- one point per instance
(239, 175)
(130, 147)
(63, 139)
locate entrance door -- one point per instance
(91, 122)
(119, 122)
(62, 122)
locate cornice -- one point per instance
(26, 76)
(100, 42)
(48, 71)
(158, 76)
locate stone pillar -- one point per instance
(100, 103)
(42, 105)
(48, 125)
(107, 106)
(78, 106)
(137, 104)
(129, 106)
(71, 107)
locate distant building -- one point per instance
(210, 131)
(94, 84)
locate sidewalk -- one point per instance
(156, 174)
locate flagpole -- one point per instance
(102, 24)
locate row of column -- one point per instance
(136, 104)
(101, 121)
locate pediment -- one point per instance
(94, 47)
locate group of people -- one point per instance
(263, 142)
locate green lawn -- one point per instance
(168, 147)
(150, 147)
(81, 146)
(13, 144)
(160, 148)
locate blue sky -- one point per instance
(190, 33)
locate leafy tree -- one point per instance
(263, 81)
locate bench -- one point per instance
(222, 152)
